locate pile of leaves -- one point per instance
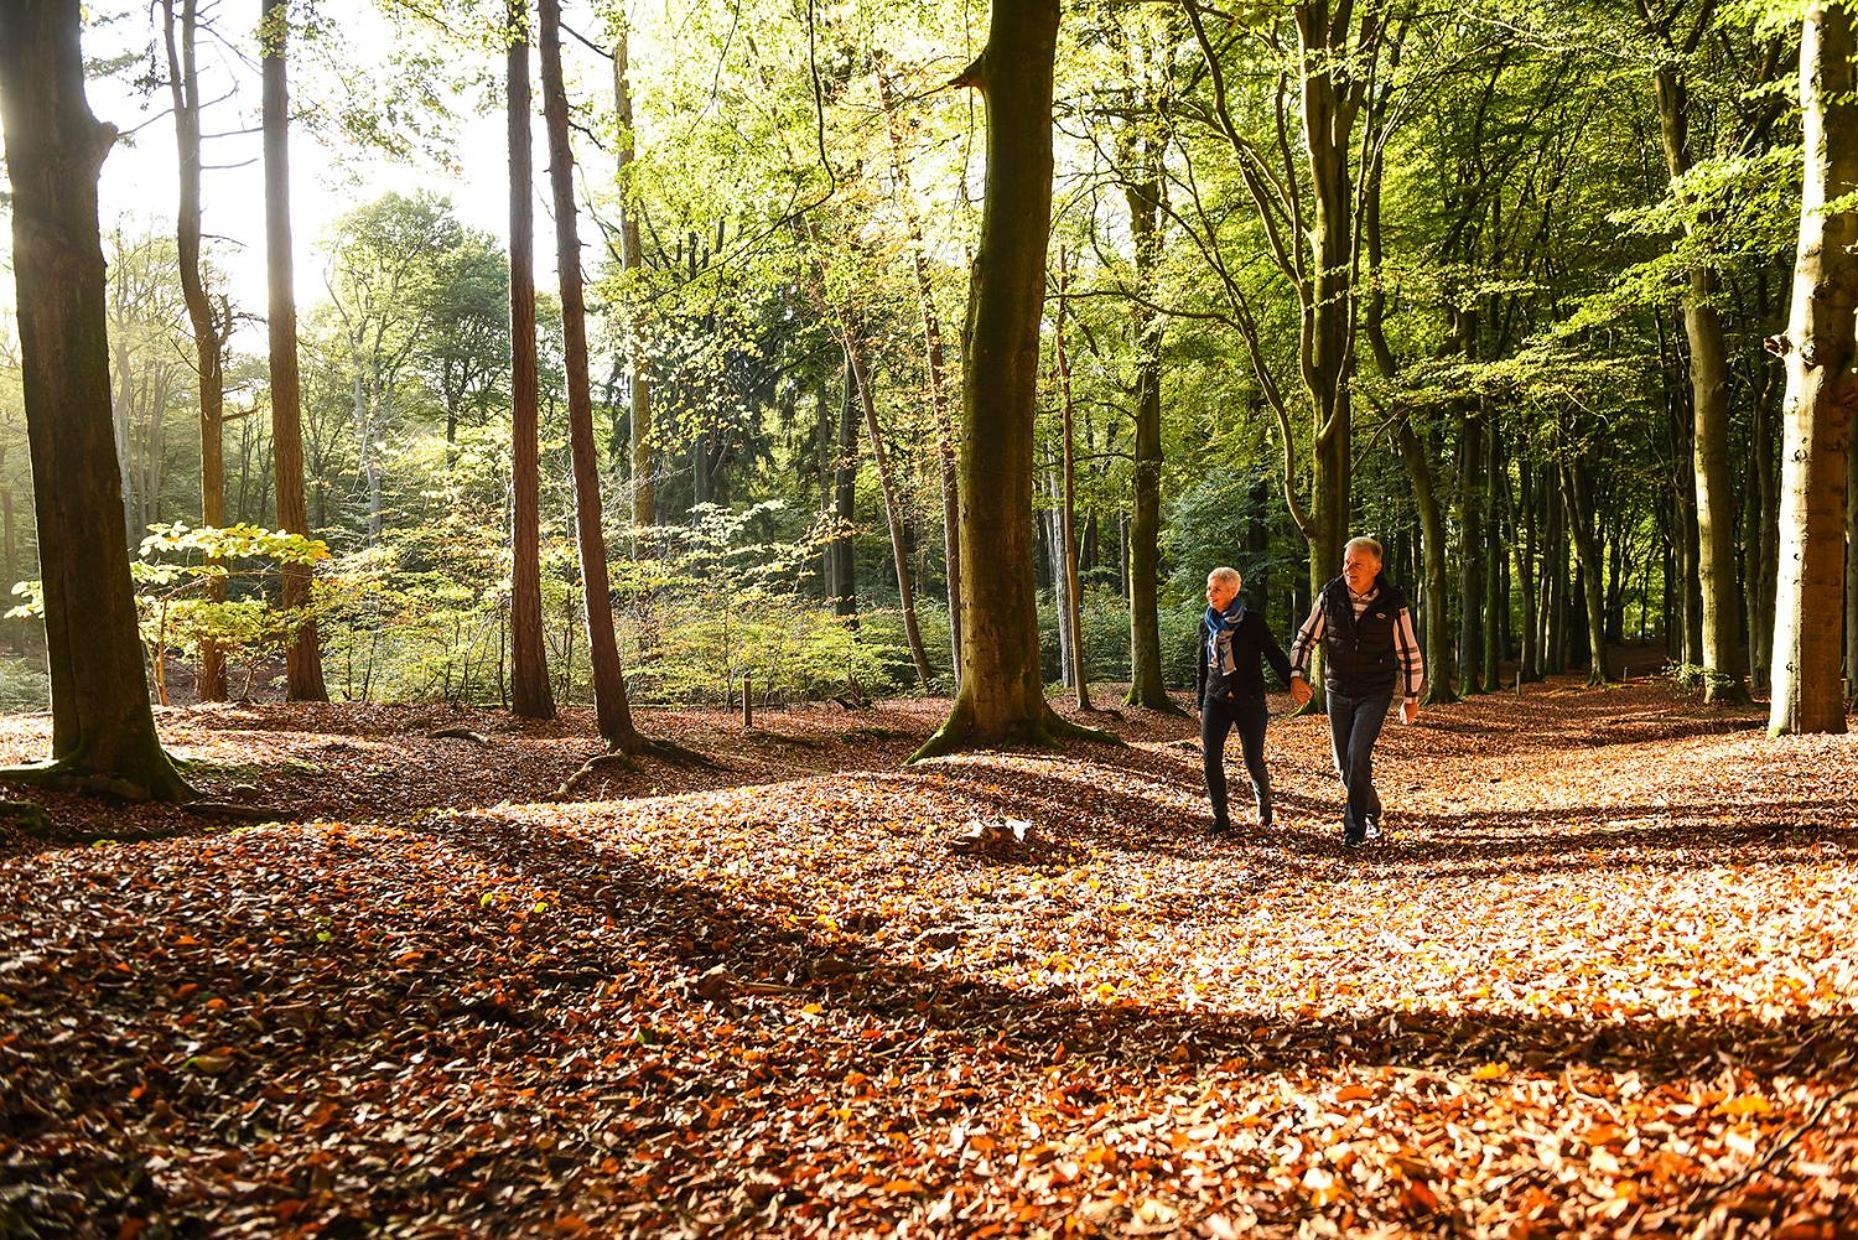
(1599, 978)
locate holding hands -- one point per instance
(1300, 691)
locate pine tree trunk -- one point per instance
(609, 682)
(1822, 391)
(530, 694)
(1002, 696)
(103, 732)
(303, 663)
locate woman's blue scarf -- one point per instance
(1220, 626)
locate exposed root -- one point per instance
(621, 760)
(459, 733)
(234, 810)
(608, 761)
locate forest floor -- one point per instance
(1601, 977)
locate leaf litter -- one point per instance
(1599, 979)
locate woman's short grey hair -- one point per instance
(1364, 543)
(1225, 574)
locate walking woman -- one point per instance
(1229, 690)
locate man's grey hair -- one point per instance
(1363, 543)
(1224, 573)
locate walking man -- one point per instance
(1229, 688)
(1369, 654)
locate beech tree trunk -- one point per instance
(1067, 506)
(184, 89)
(1723, 661)
(530, 694)
(1822, 391)
(936, 368)
(632, 260)
(893, 510)
(1577, 492)
(1145, 687)
(610, 705)
(103, 732)
(1473, 481)
(303, 664)
(1002, 694)
(841, 551)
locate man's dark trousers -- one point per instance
(1218, 717)
(1354, 726)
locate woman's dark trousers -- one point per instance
(1218, 717)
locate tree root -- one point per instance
(64, 775)
(620, 760)
(234, 810)
(1043, 733)
(459, 733)
(1167, 705)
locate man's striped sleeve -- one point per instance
(1412, 661)
(1307, 637)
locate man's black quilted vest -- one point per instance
(1359, 656)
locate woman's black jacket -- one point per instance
(1252, 643)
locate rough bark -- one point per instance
(303, 664)
(611, 708)
(1822, 391)
(103, 732)
(1002, 696)
(530, 694)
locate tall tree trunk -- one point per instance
(632, 261)
(184, 89)
(1851, 574)
(893, 510)
(1002, 694)
(303, 663)
(610, 705)
(103, 731)
(1531, 656)
(842, 548)
(1579, 498)
(1143, 196)
(1822, 390)
(530, 694)
(1473, 480)
(936, 366)
(1068, 599)
(1723, 662)
(1495, 602)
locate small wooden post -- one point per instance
(748, 701)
